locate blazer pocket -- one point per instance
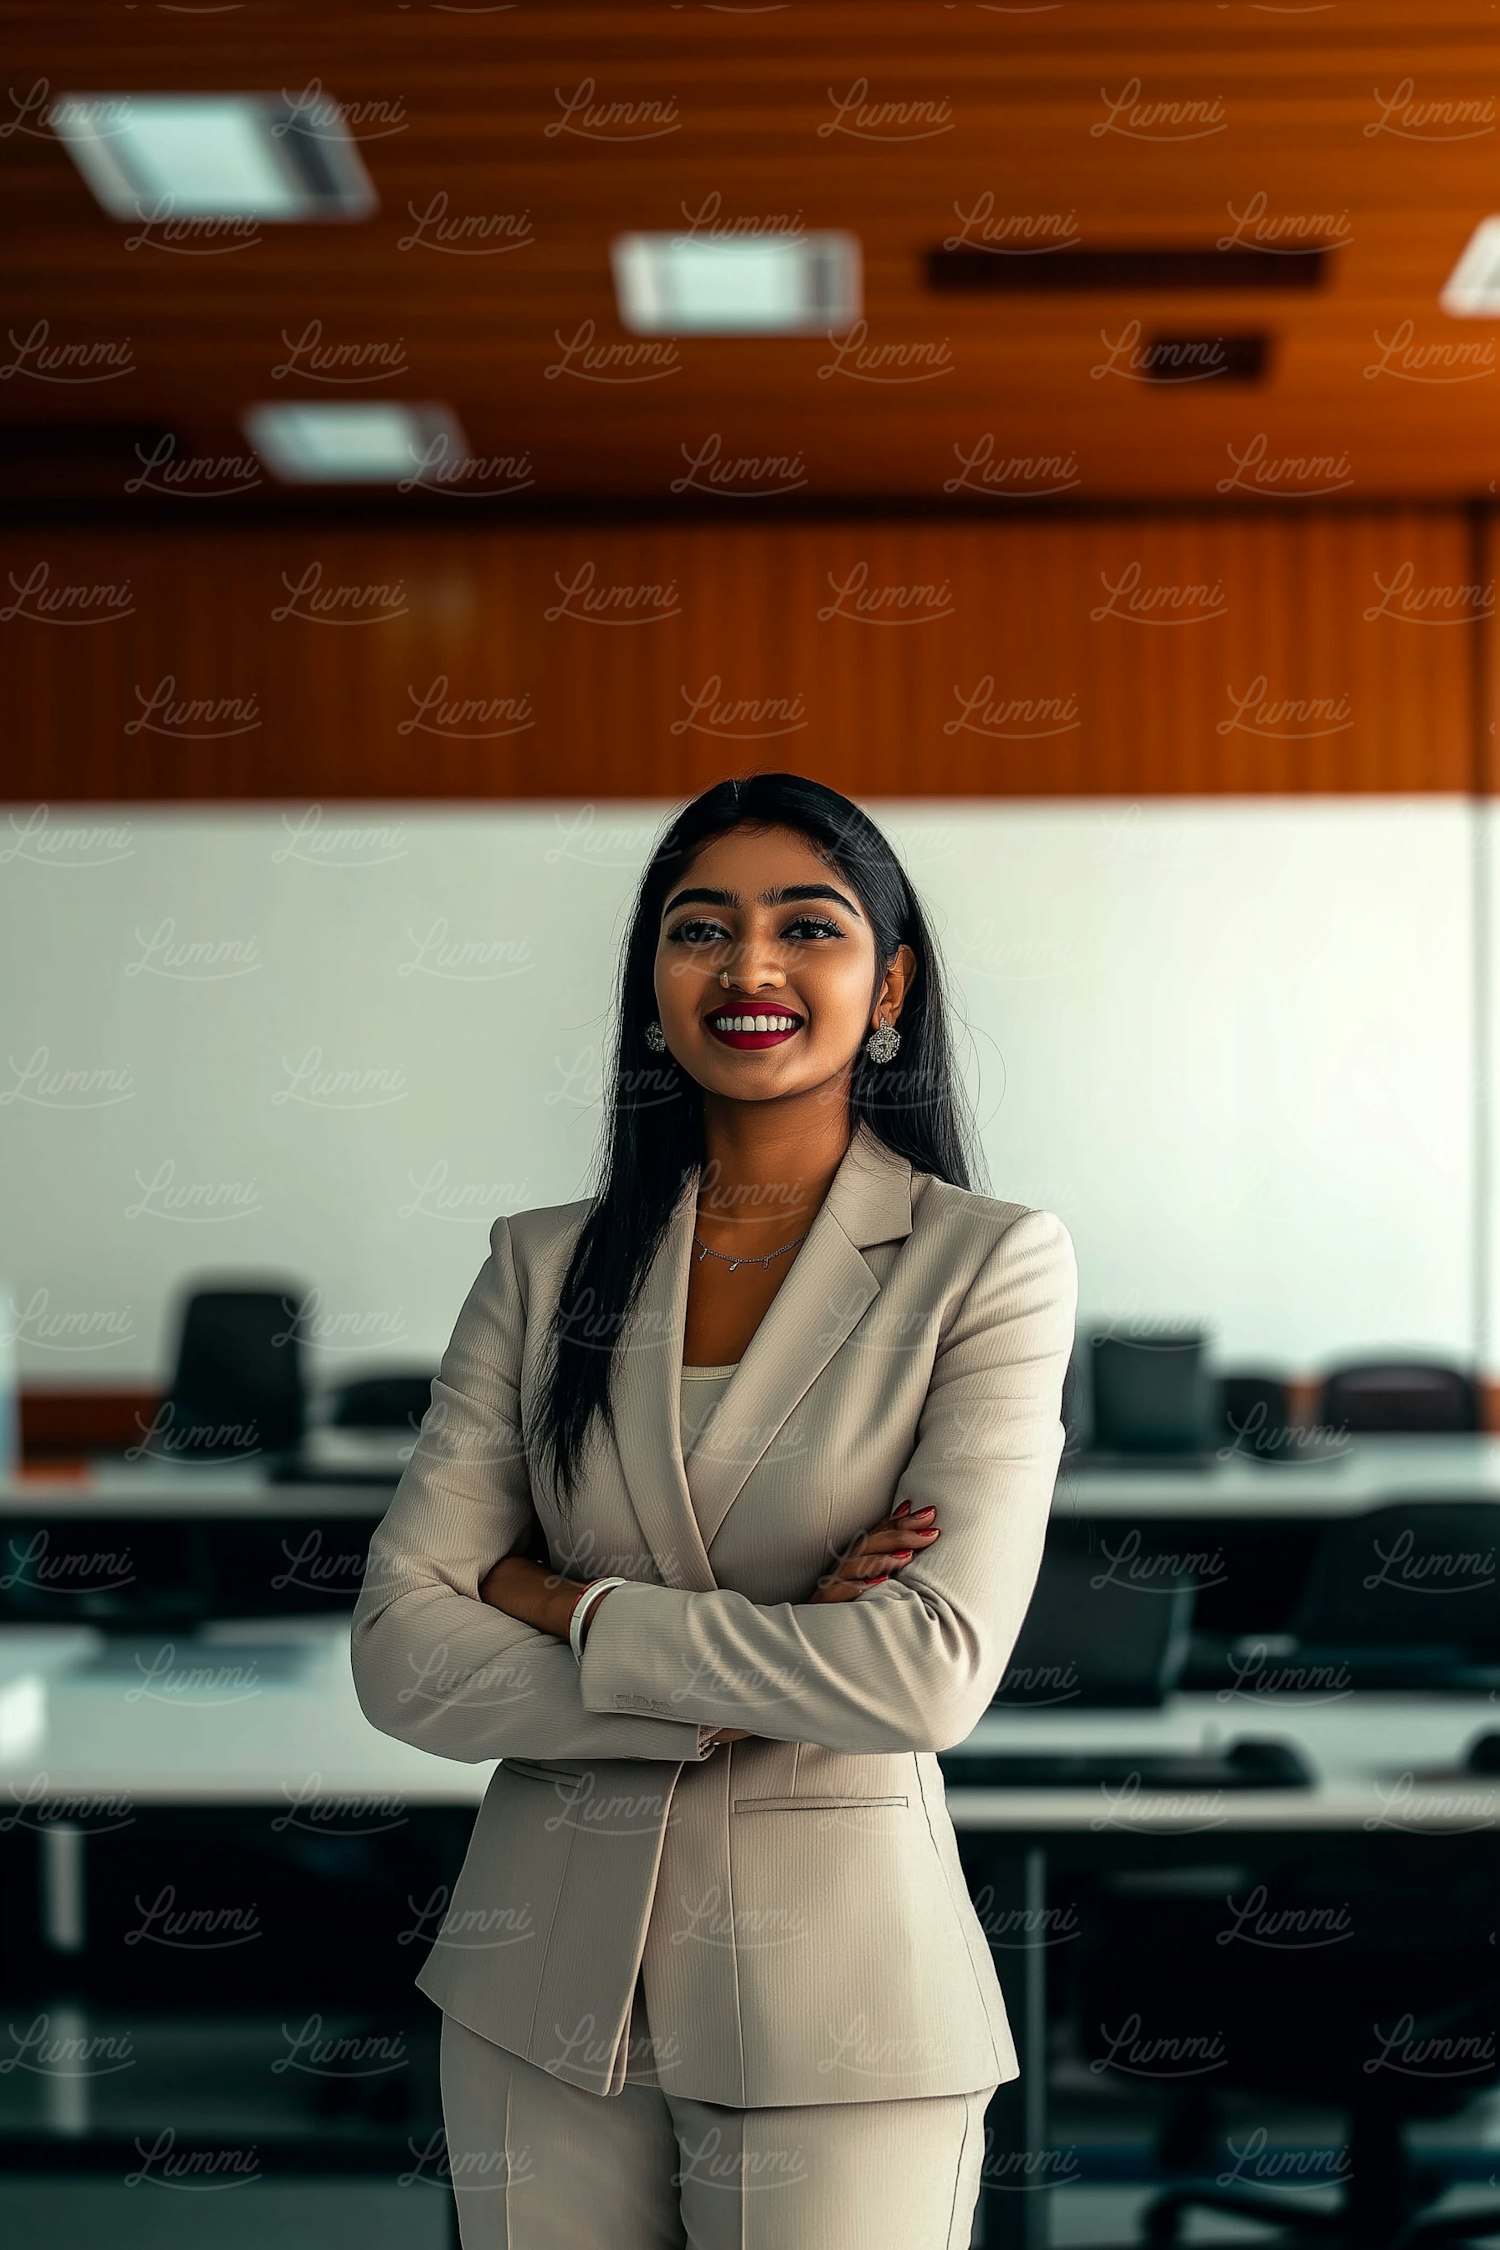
(532, 1769)
(809, 1804)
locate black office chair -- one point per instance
(395, 1401)
(1309, 2022)
(1255, 1415)
(1089, 1640)
(237, 1387)
(1400, 1398)
(1073, 1411)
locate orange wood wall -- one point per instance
(1330, 650)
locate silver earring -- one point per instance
(882, 1043)
(656, 1038)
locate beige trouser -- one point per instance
(540, 2164)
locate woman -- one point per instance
(711, 1975)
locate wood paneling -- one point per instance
(1371, 126)
(1151, 654)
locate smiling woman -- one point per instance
(718, 1656)
(762, 955)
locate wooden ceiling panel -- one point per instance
(1373, 126)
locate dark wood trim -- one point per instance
(417, 512)
(57, 1424)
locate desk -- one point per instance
(1374, 1469)
(164, 1489)
(238, 1735)
(1242, 1534)
(251, 1741)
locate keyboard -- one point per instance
(1255, 1763)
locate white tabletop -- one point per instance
(1380, 1762)
(215, 1721)
(262, 1711)
(1374, 1469)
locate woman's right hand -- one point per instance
(875, 1554)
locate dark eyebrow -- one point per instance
(785, 896)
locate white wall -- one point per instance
(1229, 1040)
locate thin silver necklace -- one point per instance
(746, 1261)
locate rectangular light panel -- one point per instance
(1473, 287)
(359, 441)
(784, 285)
(213, 156)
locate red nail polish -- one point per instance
(903, 1507)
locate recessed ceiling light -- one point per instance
(214, 156)
(776, 285)
(362, 442)
(1474, 284)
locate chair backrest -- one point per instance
(1410, 1574)
(1074, 1409)
(1254, 1413)
(1399, 1396)
(237, 1386)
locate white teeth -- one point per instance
(753, 1023)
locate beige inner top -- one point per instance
(702, 1388)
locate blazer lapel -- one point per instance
(827, 1290)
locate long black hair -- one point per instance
(654, 1137)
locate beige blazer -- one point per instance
(794, 1905)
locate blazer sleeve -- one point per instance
(433, 1664)
(914, 1663)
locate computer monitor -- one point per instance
(1096, 1634)
(1152, 1392)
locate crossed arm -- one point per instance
(529, 1589)
(434, 1664)
(911, 1664)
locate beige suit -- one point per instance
(794, 1906)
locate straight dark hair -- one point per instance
(654, 1138)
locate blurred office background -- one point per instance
(435, 443)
